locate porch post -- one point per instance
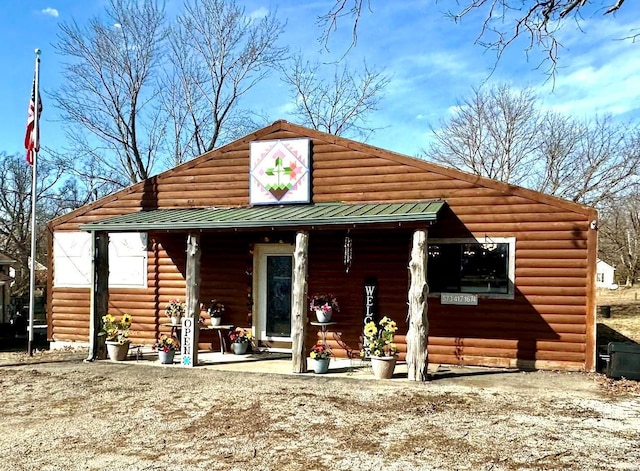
(190, 328)
(99, 296)
(299, 303)
(417, 315)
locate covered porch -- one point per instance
(332, 246)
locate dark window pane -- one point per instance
(468, 268)
(443, 268)
(279, 270)
(484, 268)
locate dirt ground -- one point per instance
(63, 413)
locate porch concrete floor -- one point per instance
(264, 362)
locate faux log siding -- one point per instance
(380, 254)
(223, 273)
(552, 273)
(513, 330)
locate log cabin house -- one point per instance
(511, 272)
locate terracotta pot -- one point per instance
(383, 367)
(117, 351)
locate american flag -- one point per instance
(30, 138)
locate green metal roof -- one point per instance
(281, 216)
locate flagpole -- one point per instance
(32, 273)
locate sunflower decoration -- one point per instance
(378, 339)
(117, 330)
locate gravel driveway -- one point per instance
(62, 413)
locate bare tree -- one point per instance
(503, 135)
(587, 162)
(493, 134)
(219, 54)
(109, 90)
(338, 102)
(504, 21)
(15, 210)
(619, 237)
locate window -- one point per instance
(127, 259)
(600, 277)
(471, 266)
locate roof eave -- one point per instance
(281, 225)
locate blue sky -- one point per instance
(432, 62)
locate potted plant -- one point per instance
(240, 340)
(379, 347)
(215, 310)
(320, 358)
(175, 311)
(166, 346)
(324, 305)
(117, 335)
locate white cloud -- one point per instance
(259, 13)
(50, 12)
(286, 109)
(117, 26)
(601, 80)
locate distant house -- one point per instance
(511, 272)
(5, 284)
(604, 274)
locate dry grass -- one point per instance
(625, 312)
(622, 326)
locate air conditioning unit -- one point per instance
(624, 360)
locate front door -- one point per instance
(274, 281)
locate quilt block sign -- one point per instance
(280, 172)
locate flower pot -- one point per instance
(117, 351)
(324, 316)
(321, 365)
(383, 366)
(166, 358)
(216, 321)
(239, 348)
(175, 320)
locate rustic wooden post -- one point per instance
(299, 303)
(417, 315)
(190, 328)
(99, 298)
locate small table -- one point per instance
(219, 329)
(174, 328)
(323, 329)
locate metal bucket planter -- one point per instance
(166, 358)
(321, 365)
(239, 348)
(324, 316)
